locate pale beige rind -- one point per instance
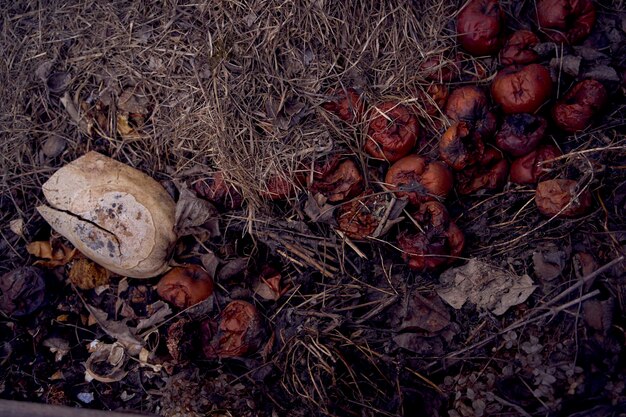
(114, 214)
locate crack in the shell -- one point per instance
(96, 225)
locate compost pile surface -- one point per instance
(315, 274)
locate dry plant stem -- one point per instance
(533, 315)
(514, 406)
(351, 244)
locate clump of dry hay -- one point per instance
(234, 87)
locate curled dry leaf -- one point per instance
(22, 291)
(268, 285)
(485, 286)
(106, 363)
(195, 216)
(56, 253)
(112, 213)
(87, 275)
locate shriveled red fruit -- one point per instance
(346, 104)
(470, 104)
(575, 111)
(338, 180)
(239, 333)
(522, 89)
(518, 49)
(460, 146)
(431, 101)
(566, 20)
(439, 69)
(439, 243)
(479, 27)
(359, 218)
(530, 168)
(185, 286)
(423, 180)
(22, 291)
(489, 174)
(219, 192)
(392, 132)
(279, 187)
(552, 196)
(521, 133)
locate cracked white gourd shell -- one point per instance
(114, 214)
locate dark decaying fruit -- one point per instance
(219, 192)
(440, 242)
(490, 173)
(522, 89)
(576, 110)
(518, 49)
(240, 332)
(185, 286)
(22, 291)
(470, 104)
(561, 197)
(337, 179)
(566, 20)
(346, 104)
(360, 217)
(521, 133)
(460, 146)
(532, 167)
(479, 27)
(419, 179)
(393, 131)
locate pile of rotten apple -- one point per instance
(474, 154)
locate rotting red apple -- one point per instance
(562, 198)
(518, 48)
(479, 27)
(185, 286)
(530, 168)
(419, 179)
(219, 192)
(439, 69)
(345, 103)
(566, 21)
(338, 180)
(576, 110)
(359, 218)
(439, 242)
(470, 104)
(521, 133)
(392, 132)
(239, 333)
(488, 174)
(460, 146)
(522, 89)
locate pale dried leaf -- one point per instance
(487, 287)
